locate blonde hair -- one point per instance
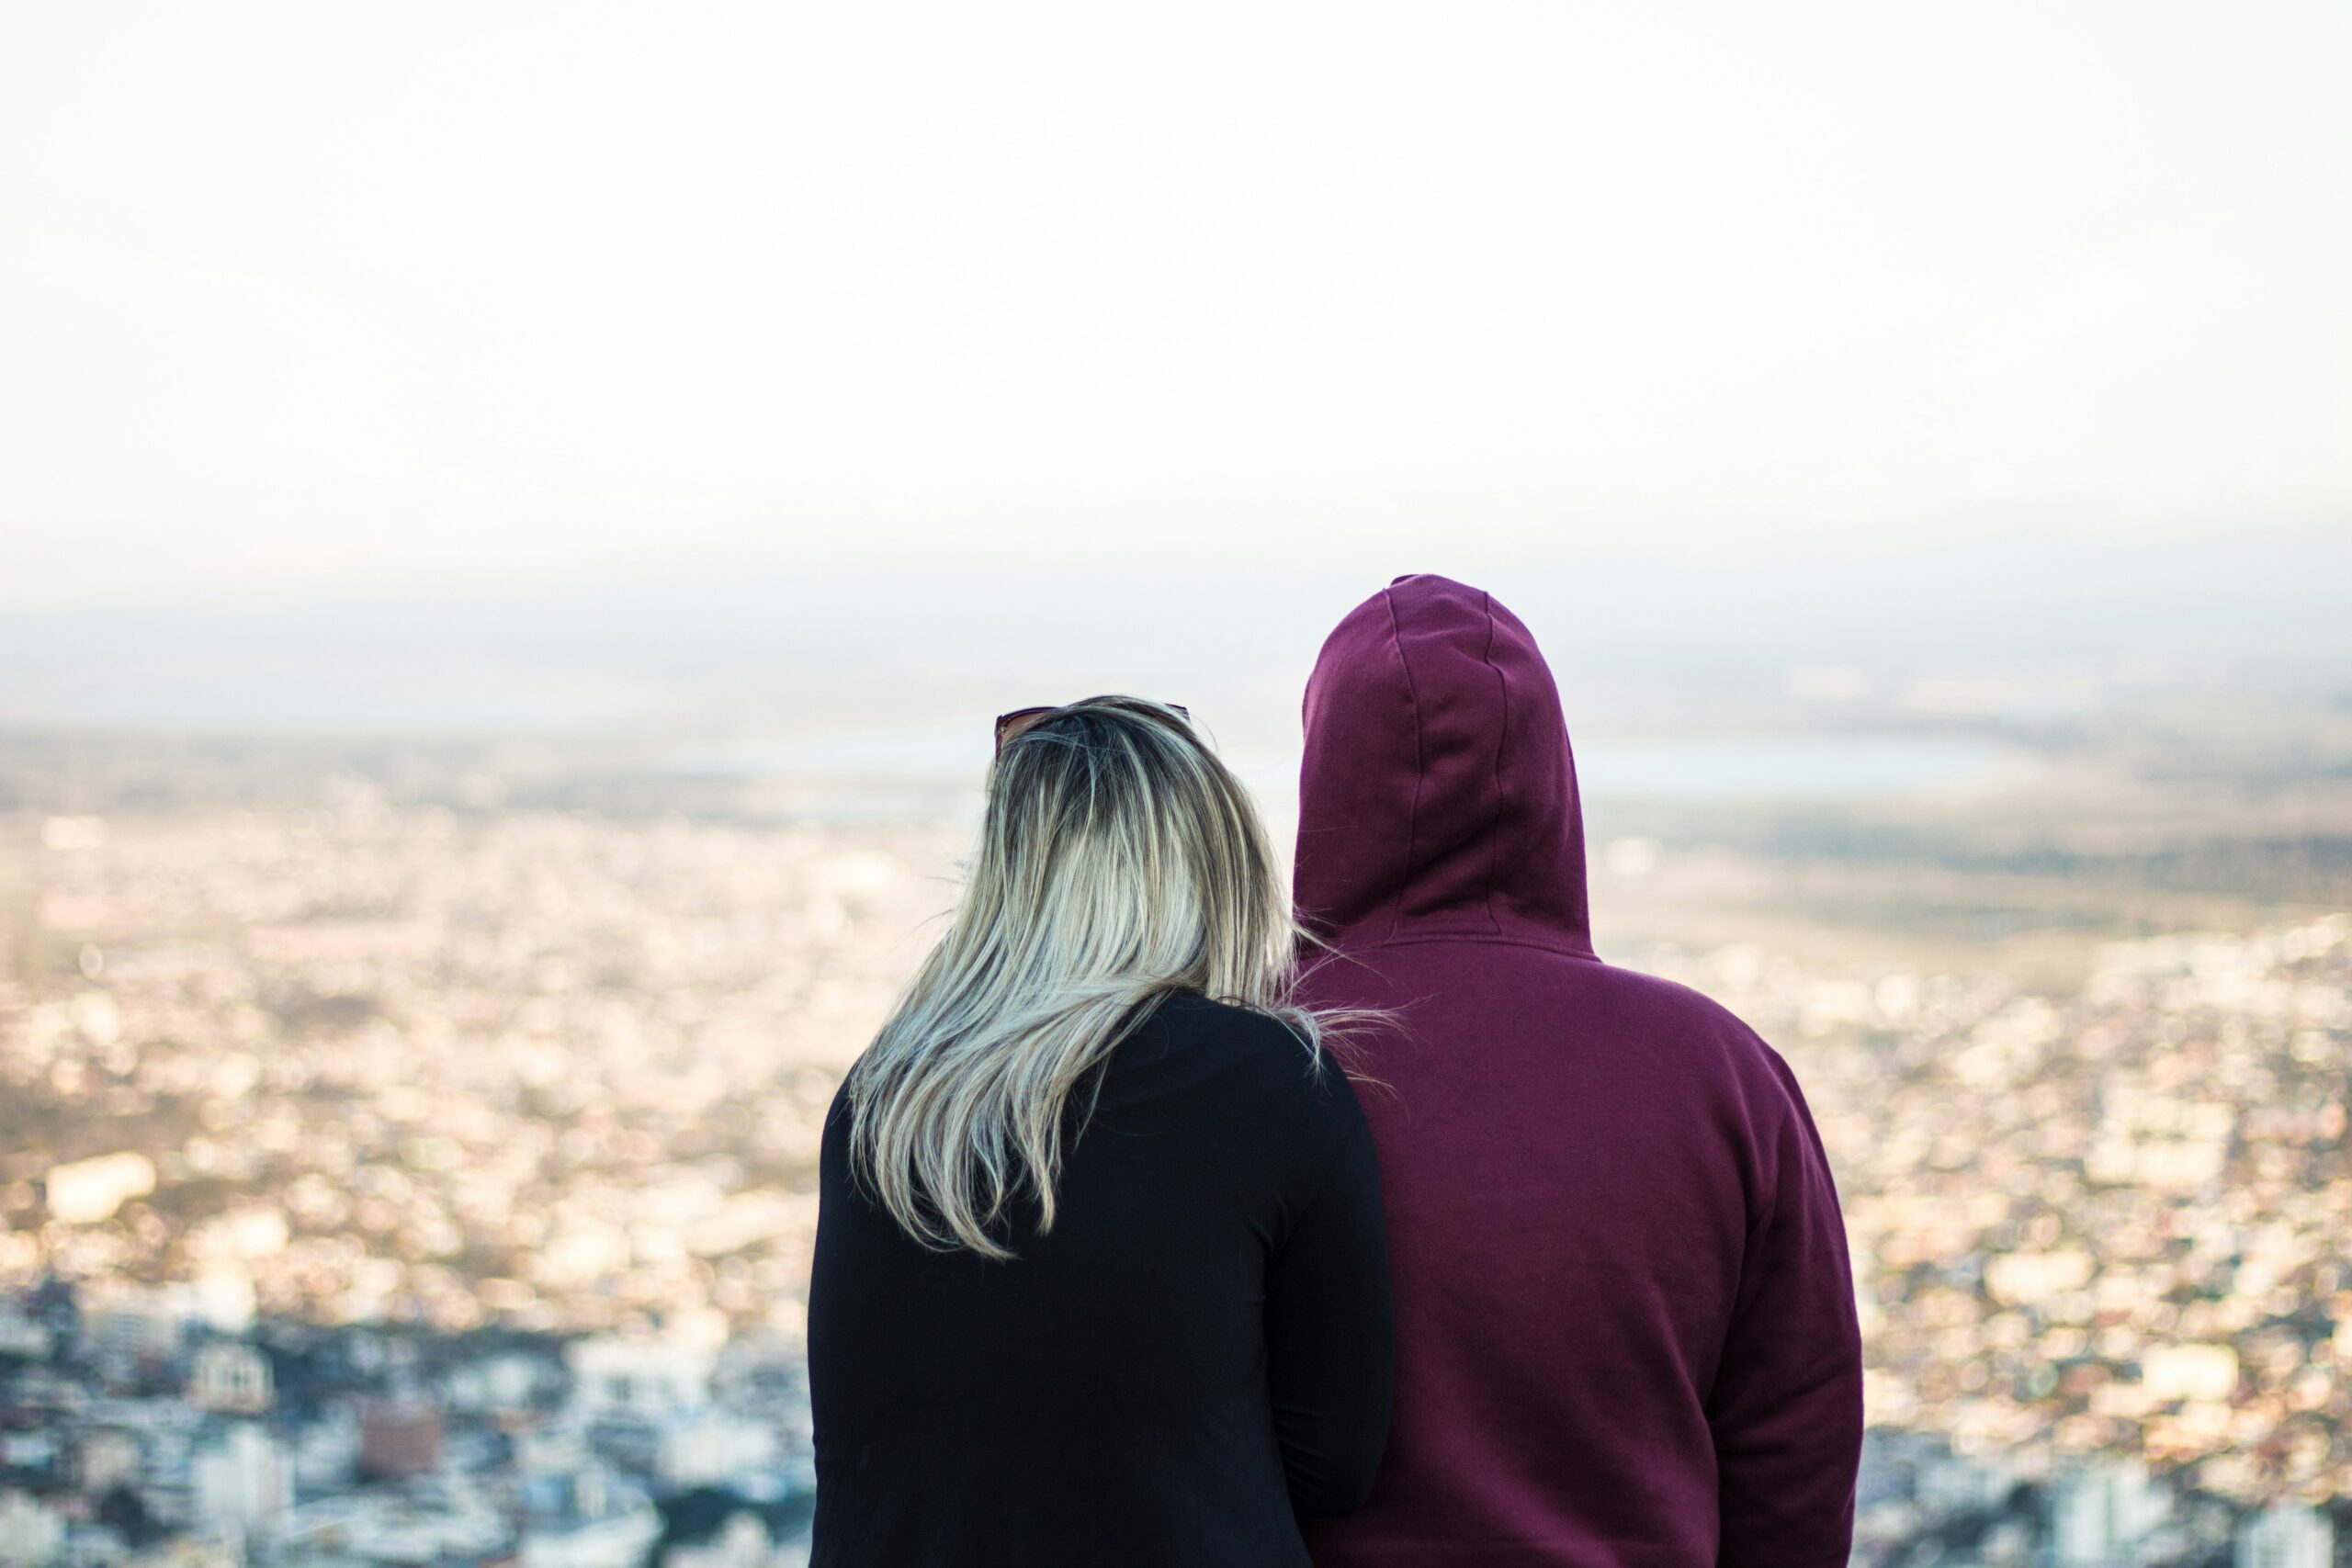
(1119, 861)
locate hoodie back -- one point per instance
(1624, 1317)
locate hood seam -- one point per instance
(1421, 762)
(1502, 742)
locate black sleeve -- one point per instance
(1329, 1332)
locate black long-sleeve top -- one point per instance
(1195, 1357)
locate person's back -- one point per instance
(1101, 1274)
(1105, 1396)
(1624, 1317)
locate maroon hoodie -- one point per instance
(1624, 1318)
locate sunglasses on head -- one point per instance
(1020, 721)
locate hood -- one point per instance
(1437, 797)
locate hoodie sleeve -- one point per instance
(1786, 1408)
(1330, 1333)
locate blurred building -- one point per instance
(742, 1541)
(616, 1374)
(586, 1519)
(241, 1484)
(499, 1386)
(2287, 1534)
(229, 1377)
(443, 1521)
(31, 1532)
(187, 1552)
(710, 1447)
(326, 1450)
(104, 1456)
(23, 1334)
(2101, 1514)
(126, 1322)
(645, 1407)
(398, 1438)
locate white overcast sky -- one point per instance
(320, 293)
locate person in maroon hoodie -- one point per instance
(1625, 1327)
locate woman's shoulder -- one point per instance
(1249, 1081)
(1248, 1035)
(1250, 1051)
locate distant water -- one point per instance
(1821, 767)
(1816, 767)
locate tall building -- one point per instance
(241, 1482)
(2287, 1534)
(2100, 1514)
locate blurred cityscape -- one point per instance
(513, 519)
(414, 1162)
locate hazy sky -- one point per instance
(505, 301)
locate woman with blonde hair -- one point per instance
(1100, 1276)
